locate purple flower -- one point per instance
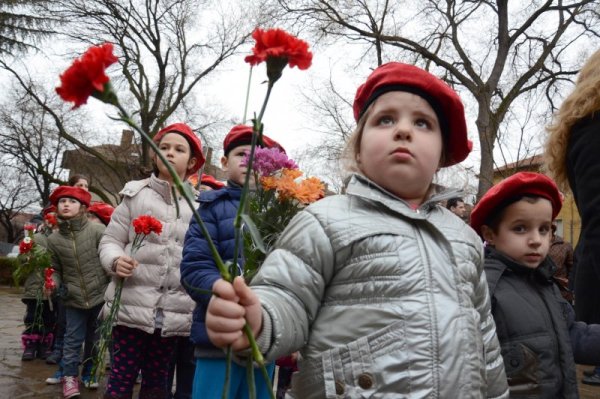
(267, 161)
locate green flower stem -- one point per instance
(228, 356)
(247, 94)
(250, 378)
(106, 332)
(259, 359)
(244, 197)
(179, 184)
(264, 106)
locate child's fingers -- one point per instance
(246, 295)
(224, 321)
(223, 340)
(250, 301)
(222, 307)
(224, 289)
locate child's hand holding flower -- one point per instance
(124, 266)
(228, 311)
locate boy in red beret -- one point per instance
(82, 281)
(539, 337)
(218, 209)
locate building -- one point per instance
(568, 221)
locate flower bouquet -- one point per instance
(280, 194)
(34, 266)
(143, 226)
(86, 77)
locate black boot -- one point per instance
(30, 345)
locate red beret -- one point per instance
(102, 210)
(48, 209)
(210, 181)
(395, 76)
(72, 192)
(242, 135)
(522, 183)
(188, 133)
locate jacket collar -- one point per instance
(162, 187)
(363, 187)
(75, 224)
(233, 192)
(544, 271)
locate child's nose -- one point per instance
(403, 130)
(535, 239)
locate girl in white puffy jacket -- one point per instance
(155, 311)
(381, 289)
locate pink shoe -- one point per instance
(70, 386)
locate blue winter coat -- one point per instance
(198, 268)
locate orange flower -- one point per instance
(310, 190)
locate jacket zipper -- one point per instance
(81, 280)
(435, 330)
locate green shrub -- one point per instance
(7, 266)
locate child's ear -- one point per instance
(192, 162)
(224, 162)
(488, 234)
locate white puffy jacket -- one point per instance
(155, 282)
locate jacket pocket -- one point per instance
(522, 366)
(369, 367)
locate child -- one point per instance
(535, 325)
(198, 269)
(74, 250)
(381, 289)
(154, 310)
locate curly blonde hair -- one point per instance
(584, 101)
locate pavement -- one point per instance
(20, 380)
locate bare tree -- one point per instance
(21, 26)
(27, 139)
(17, 195)
(495, 51)
(165, 48)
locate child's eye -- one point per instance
(519, 229)
(545, 229)
(385, 120)
(423, 123)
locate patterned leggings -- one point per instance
(135, 350)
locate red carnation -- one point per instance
(278, 48)
(29, 227)
(86, 76)
(146, 224)
(25, 246)
(50, 220)
(49, 283)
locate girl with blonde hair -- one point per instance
(572, 158)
